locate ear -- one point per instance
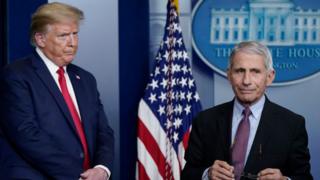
(229, 74)
(270, 77)
(40, 39)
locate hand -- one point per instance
(94, 174)
(271, 174)
(221, 170)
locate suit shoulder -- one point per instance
(19, 68)
(283, 110)
(285, 113)
(221, 110)
(218, 108)
(80, 71)
(19, 64)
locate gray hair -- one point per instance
(52, 13)
(253, 47)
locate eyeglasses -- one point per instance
(249, 175)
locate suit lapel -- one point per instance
(46, 78)
(224, 127)
(261, 139)
(82, 101)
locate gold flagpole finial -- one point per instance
(176, 3)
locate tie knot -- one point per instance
(60, 71)
(246, 112)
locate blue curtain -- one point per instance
(18, 21)
(3, 36)
(133, 58)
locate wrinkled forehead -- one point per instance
(252, 51)
(248, 61)
(259, 57)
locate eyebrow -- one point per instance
(250, 69)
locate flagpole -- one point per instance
(167, 108)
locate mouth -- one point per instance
(246, 91)
(69, 56)
(69, 52)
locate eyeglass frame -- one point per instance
(249, 175)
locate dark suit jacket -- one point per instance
(39, 139)
(281, 142)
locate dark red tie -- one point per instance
(75, 116)
(240, 144)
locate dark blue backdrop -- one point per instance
(3, 36)
(19, 15)
(133, 53)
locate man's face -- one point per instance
(249, 77)
(60, 42)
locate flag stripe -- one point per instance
(181, 151)
(144, 157)
(142, 172)
(186, 138)
(152, 148)
(151, 122)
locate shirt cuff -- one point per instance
(205, 175)
(104, 168)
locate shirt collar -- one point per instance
(50, 65)
(256, 108)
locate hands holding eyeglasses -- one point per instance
(270, 173)
(221, 170)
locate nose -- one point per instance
(246, 79)
(72, 40)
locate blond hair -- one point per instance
(52, 13)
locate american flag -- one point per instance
(167, 108)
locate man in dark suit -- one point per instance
(53, 123)
(266, 142)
